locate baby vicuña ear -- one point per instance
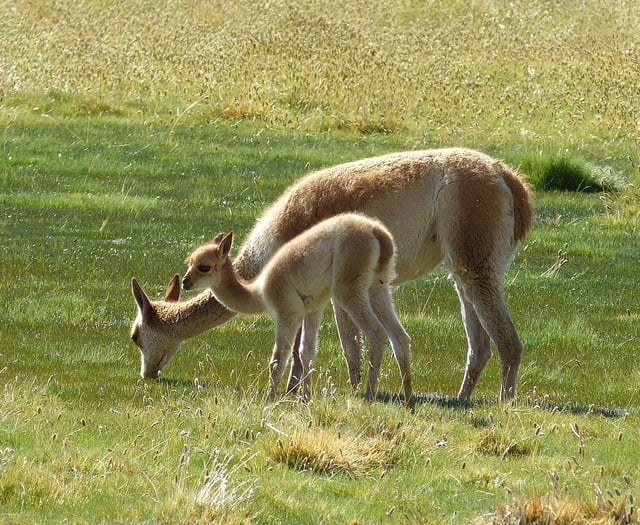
(225, 245)
(217, 238)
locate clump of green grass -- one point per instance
(565, 172)
(500, 443)
(622, 209)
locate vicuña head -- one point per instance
(156, 347)
(204, 264)
(162, 325)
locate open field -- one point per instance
(523, 75)
(129, 132)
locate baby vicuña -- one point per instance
(347, 258)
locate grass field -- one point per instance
(131, 131)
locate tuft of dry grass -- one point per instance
(327, 452)
(562, 510)
(219, 498)
(554, 269)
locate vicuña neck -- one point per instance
(191, 318)
(238, 295)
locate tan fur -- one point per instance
(161, 326)
(348, 258)
(454, 205)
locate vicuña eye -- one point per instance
(204, 268)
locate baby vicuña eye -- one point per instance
(204, 268)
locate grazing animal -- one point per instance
(454, 205)
(163, 325)
(348, 258)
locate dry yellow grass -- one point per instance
(328, 452)
(555, 510)
(528, 67)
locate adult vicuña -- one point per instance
(454, 205)
(347, 258)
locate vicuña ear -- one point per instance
(225, 245)
(173, 290)
(217, 238)
(144, 305)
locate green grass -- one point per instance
(83, 436)
(130, 132)
(554, 172)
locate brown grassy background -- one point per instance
(539, 69)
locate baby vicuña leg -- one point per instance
(382, 305)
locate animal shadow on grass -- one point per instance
(444, 401)
(581, 409)
(421, 399)
(182, 383)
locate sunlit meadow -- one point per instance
(131, 131)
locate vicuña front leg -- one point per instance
(309, 349)
(286, 329)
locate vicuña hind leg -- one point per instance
(475, 229)
(382, 305)
(478, 347)
(351, 342)
(490, 309)
(359, 309)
